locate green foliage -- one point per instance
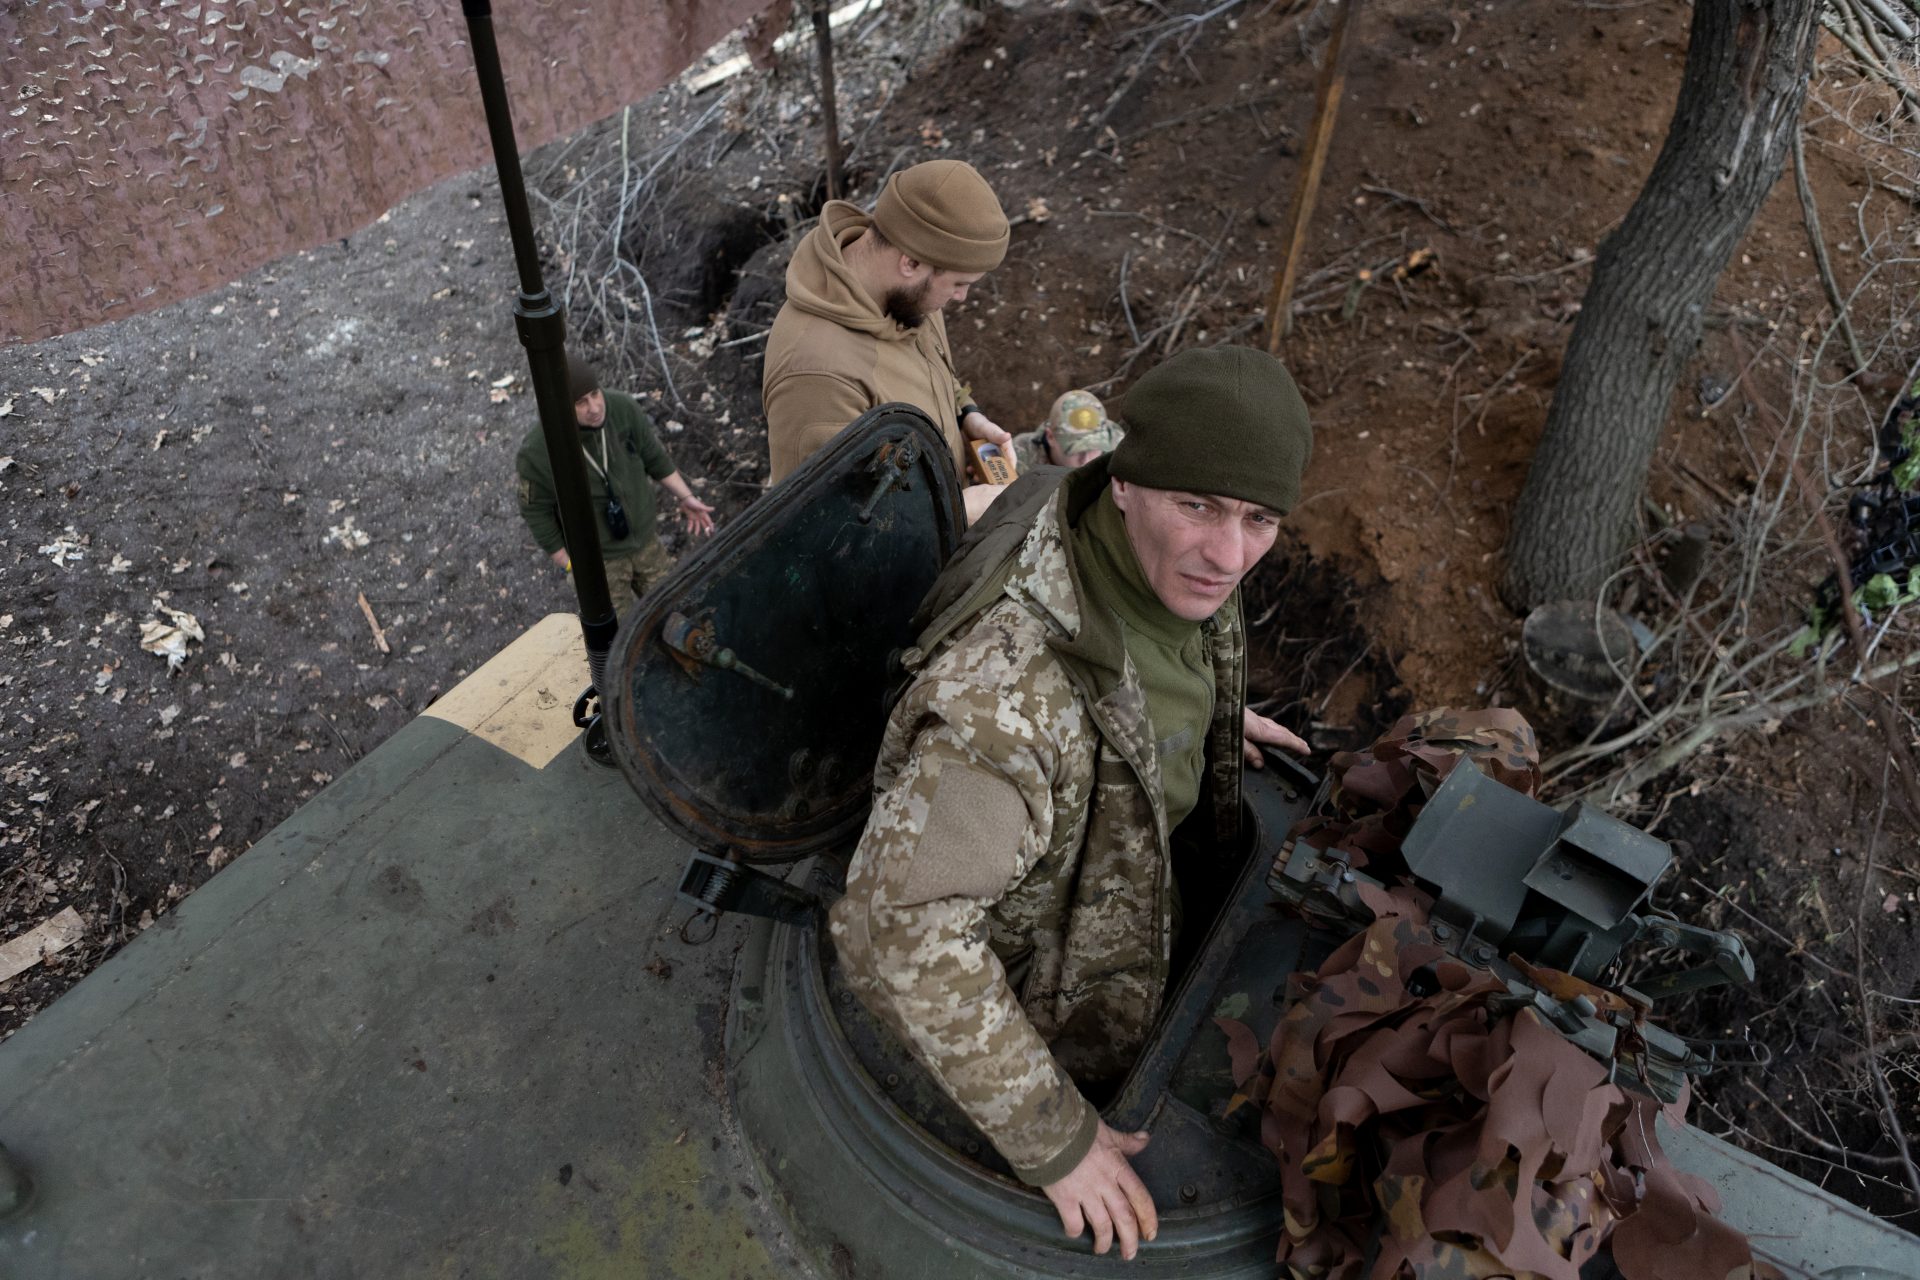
(1906, 476)
(1879, 593)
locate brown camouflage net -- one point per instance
(1472, 1144)
(151, 149)
(1377, 793)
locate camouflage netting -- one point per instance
(1472, 1143)
(154, 150)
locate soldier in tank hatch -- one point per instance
(1078, 693)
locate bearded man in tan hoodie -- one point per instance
(861, 325)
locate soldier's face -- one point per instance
(1194, 547)
(949, 286)
(1063, 458)
(591, 409)
(924, 290)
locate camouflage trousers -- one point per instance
(631, 576)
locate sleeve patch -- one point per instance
(970, 845)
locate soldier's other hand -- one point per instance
(1258, 729)
(562, 559)
(1104, 1193)
(976, 498)
(697, 515)
(978, 426)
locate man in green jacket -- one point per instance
(623, 458)
(1079, 691)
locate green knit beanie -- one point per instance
(1224, 420)
(582, 381)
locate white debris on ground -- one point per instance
(169, 638)
(345, 534)
(69, 548)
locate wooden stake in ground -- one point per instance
(41, 941)
(823, 39)
(379, 636)
(1326, 108)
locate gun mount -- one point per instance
(1548, 900)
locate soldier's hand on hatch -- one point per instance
(697, 515)
(1258, 729)
(562, 559)
(1103, 1192)
(978, 426)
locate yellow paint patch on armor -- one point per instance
(657, 1221)
(522, 700)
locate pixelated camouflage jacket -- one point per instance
(1018, 823)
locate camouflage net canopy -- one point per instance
(1409, 1115)
(154, 150)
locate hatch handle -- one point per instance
(700, 642)
(894, 463)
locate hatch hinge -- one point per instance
(713, 886)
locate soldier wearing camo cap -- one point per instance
(1076, 432)
(1079, 690)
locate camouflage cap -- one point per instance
(1079, 423)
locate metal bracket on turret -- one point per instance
(713, 886)
(1727, 961)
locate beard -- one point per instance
(907, 307)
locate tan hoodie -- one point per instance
(834, 354)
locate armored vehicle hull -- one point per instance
(438, 1023)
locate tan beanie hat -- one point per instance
(944, 214)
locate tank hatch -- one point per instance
(748, 689)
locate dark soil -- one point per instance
(214, 445)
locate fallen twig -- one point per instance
(1414, 202)
(1126, 307)
(379, 634)
(1890, 1114)
(1810, 214)
(1871, 63)
(1712, 727)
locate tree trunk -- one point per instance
(1740, 98)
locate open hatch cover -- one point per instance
(748, 688)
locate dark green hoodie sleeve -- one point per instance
(538, 507)
(653, 454)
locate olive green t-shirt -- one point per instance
(1168, 653)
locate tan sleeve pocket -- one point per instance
(970, 845)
